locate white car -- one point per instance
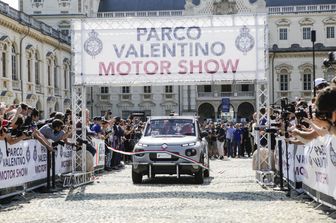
(180, 135)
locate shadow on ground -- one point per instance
(232, 196)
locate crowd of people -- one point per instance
(299, 121)
(22, 122)
(228, 140)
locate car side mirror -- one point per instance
(204, 134)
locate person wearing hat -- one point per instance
(320, 84)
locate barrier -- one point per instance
(23, 166)
(320, 179)
(295, 165)
(312, 167)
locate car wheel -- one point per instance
(136, 177)
(199, 176)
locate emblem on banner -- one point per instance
(35, 154)
(1, 156)
(245, 41)
(93, 45)
(332, 155)
(28, 154)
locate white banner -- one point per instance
(99, 157)
(317, 175)
(299, 163)
(174, 50)
(22, 162)
(26, 161)
(296, 161)
(63, 159)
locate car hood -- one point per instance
(159, 140)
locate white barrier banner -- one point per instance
(63, 159)
(299, 163)
(22, 162)
(99, 157)
(296, 161)
(174, 50)
(317, 175)
(332, 166)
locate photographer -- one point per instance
(326, 108)
(55, 132)
(8, 138)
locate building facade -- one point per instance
(34, 61)
(290, 53)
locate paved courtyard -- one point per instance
(229, 195)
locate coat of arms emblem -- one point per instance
(28, 154)
(245, 41)
(35, 154)
(93, 45)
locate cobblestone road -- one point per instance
(229, 195)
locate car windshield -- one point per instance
(164, 127)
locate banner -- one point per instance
(317, 176)
(174, 50)
(296, 161)
(22, 162)
(225, 105)
(63, 159)
(99, 157)
(26, 161)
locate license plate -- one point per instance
(163, 156)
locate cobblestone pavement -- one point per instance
(229, 195)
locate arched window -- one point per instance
(307, 79)
(14, 64)
(37, 68)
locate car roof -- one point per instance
(171, 117)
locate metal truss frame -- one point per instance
(79, 176)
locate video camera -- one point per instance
(286, 108)
(331, 59)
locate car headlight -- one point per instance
(142, 145)
(188, 144)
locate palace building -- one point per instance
(290, 68)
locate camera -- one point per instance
(331, 59)
(300, 114)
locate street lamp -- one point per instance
(313, 39)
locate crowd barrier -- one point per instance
(23, 166)
(311, 168)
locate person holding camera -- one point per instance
(55, 131)
(326, 108)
